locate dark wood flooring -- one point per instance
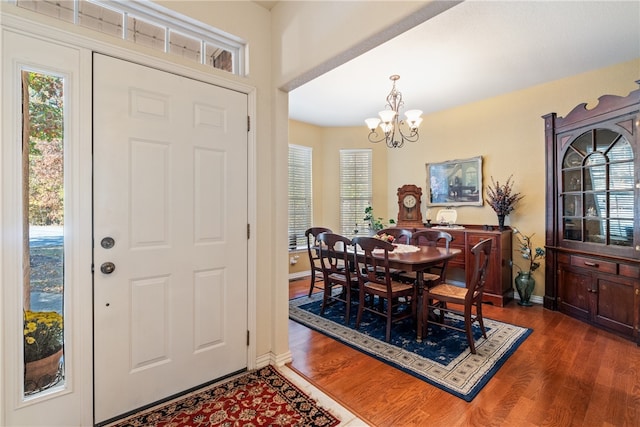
(566, 373)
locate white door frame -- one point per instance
(26, 53)
(9, 178)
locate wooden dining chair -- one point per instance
(334, 261)
(314, 259)
(400, 236)
(435, 274)
(438, 297)
(396, 300)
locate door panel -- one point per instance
(613, 307)
(170, 185)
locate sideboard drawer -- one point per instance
(595, 264)
(632, 271)
(474, 239)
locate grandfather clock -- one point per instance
(409, 214)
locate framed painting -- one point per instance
(455, 183)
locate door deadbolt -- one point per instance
(107, 267)
(107, 242)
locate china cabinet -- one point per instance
(592, 214)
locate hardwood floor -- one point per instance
(566, 373)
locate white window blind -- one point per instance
(300, 194)
(356, 189)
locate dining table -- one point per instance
(416, 259)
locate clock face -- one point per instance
(409, 201)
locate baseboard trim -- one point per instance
(534, 298)
(299, 275)
(274, 359)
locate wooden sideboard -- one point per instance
(499, 286)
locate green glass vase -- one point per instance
(524, 285)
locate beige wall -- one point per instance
(335, 139)
(507, 131)
(302, 266)
(311, 136)
(312, 37)
(326, 144)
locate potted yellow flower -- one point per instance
(43, 337)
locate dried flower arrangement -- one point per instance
(500, 197)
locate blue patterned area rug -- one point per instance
(443, 358)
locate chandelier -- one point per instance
(390, 122)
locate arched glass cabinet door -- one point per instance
(597, 189)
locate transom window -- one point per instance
(151, 25)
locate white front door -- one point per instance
(170, 219)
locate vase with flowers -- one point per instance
(502, 199)
(385, 237)
(43, 338)
(524, 280)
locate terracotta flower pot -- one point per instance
(43, 372)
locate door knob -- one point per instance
(107, 267)
(107, 242)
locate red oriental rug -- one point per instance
(260, 398)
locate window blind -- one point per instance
(608, 172)
(300, 194)
(356, 189)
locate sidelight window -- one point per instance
(43, 220)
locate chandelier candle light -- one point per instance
(390, 122)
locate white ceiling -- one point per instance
(473, 51)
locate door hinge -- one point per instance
(247, 338)
(248, 123)
(248, 231)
